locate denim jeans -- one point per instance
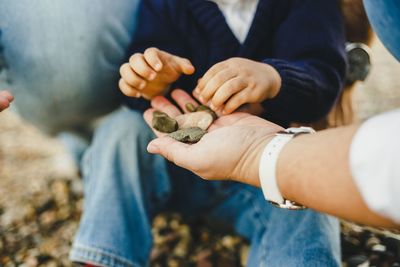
(61, 58)
(125, 187)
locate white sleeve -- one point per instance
(375, 163)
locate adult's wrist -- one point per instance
(250, 163)
(268, 167)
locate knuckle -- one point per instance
(124, 69)
(216, 101)
(135, 57)
(121, 83)
(218, 80)
(150, 50)
(147, 73)
(133, 80)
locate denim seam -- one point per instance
(86, 253)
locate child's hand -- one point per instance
(5, 99)
(150, 73)
(231, 83)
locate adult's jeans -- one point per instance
(61, 58)
(125, 187)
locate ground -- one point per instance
(41, 200)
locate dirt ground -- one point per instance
(41, 199)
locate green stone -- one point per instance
(190, 107)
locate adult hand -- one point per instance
(231, 149)
(5, 99)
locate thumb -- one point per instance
(185, 65)
(170, 149)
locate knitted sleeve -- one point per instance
(309, 55)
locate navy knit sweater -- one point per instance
(302, 39)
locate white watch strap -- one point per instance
(267, 168)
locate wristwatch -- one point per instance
(267, 167)
(359, 62)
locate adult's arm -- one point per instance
(317, 171)
(322, 171)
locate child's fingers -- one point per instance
(141, 67)
(131, 78)
(226, 91)
(182, 99)
(215, 83)
(208, 76)
(128, 90)
(153, 58)
(237, 100)
(179, 63)
(185, 65)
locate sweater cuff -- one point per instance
(284, 107)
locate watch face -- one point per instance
(359, 62)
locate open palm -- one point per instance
(230, 150)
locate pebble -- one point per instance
(207, 109)
(164, 123)
(190, 107)
(188, 135)
(357, 261)
(201, 119)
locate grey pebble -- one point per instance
(188, 135)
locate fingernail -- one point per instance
(158, 66)
(142, 85)
(201, 99)
(213, 107)
(138, 95)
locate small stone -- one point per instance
(164, 123)
(190, 107)
(188, 135)
(209, 110)
(372, 241)
(244, 254)
(201, 119)
(357, 261)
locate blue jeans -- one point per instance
(125, 187)
(61, 59)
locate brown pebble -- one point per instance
(164, 123)
(188, 135)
